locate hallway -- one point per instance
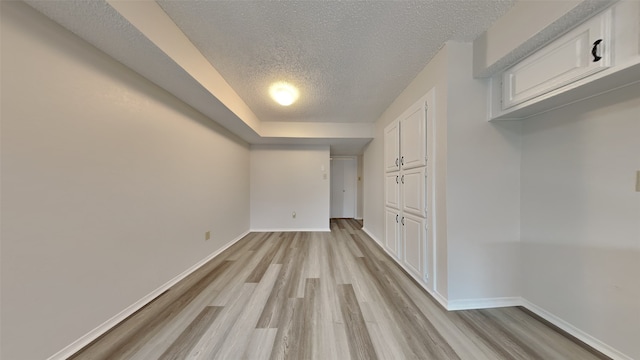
(318, 296)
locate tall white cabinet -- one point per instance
(407, 152)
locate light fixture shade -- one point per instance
(283, 93)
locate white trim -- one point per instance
(434, 294)
(440, 298)
(366, 231)
(483, 303)
(83, 341)
(574, 331)
(293, 230)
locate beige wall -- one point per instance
(287, 179)
(581, 216)
(108, 185)
(434, 75)
(483, 189)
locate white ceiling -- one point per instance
(349, 59)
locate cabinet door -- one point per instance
(414, 195)
(392, 231)
(392, 190)
(578, 54)
(413, 243)
(413, 137)
(392, 147)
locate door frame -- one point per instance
(355, 181)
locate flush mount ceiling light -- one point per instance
(283, 93)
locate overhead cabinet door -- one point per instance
(578, 54)
(413, 137)
(392, 147)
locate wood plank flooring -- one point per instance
(319, 296)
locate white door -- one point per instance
(392, 190)
(414, 198)
(413, 242)
(392, 230)
(343, 187)
(392, 147)
(413, 137)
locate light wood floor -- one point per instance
(319, 296)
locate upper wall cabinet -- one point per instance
(580, 53)
(413, 152)
(600, 55)
(392, 147)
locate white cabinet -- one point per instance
(583, 51)
(407, 187)
(564, 71)
(413, 150)
(392, 190)
(392, 231)
(413, 243)
(414, 199)
(392, 147)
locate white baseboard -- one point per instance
(366, 231)
(107, 325)
(293, 230)
(574, 331)
(483, 303)
(440, 298)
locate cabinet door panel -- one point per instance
(392, 147)
(413, 137)
(578, 54)
(392, 190)
(413, 243)
(392, 231)
(414, 198)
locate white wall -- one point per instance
(287, 179)
(433, 75)
(108, 185)
(360, 187)
(581, 216)
(483, 189)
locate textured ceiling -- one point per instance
(350, 60)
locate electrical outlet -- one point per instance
(207, 235)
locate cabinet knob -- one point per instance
(402, 179)
(402, 221)
(396, 162)
(396, 218)
(594, 50)
(402, 161)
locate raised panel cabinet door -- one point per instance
(413, 243)
(392, 147)
(392, 231)
(392, 190)
(413, 137)
(413, 183)
(576, 55)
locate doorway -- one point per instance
(344, 172)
